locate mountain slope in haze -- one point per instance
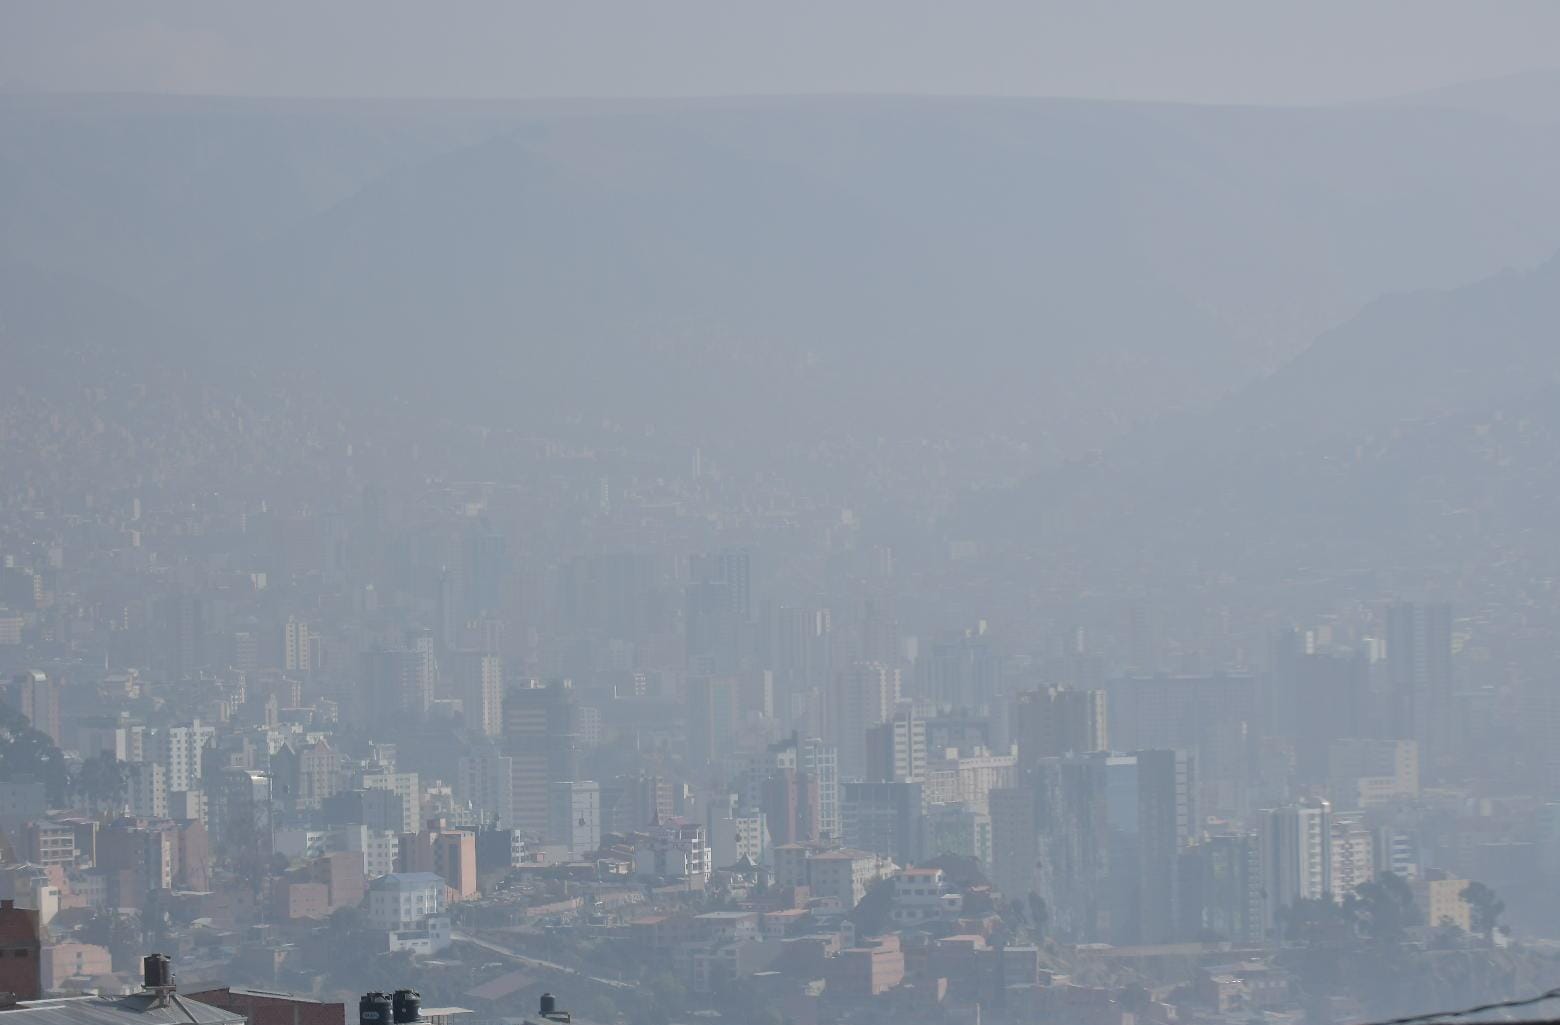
(1050, 270)
(1530, 96)
(839, 272)
(1424, 432)
(138, 191)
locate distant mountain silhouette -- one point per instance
(768, 272)
(1531, 96)
(1411, 432)
(1048, 270)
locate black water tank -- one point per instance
(408, 1006)
(159, 971)
(374, 1009)
(549, 1005)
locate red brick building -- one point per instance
(21, 952)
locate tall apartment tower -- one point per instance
(817, 766)
(865, 697)
(1015, 841)
(479, 683)
(1419, 664)
(1233, 888)
(574, 816)
(1167, 825)
(1297, 854)
(719, 606)
(896, 749)
(297, 646)
(541, 737)
(1053, 721)
(37, 697)
(712, 719)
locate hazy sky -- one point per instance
(1238, 51)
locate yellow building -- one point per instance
(1442, 899)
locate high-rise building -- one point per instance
(1232, 887)
(1054, 721)
(801, 651)
(970, 778)
(1419, 663)
(712, 719)
(960, 830)
(736, 832)
(1108, 826)
(408, 795)
(397, 686)
(789, 800)
(184, 635)
(479, 683)
(1015, 842)
(241, 817)
(541, 740)
(484, 571)
(486, 784)
(885, 818)
(817, 764)
(307, 775)
(718, 610)
(297, 646)
(1214, 714)
(179, 749)
(1069, 834)
(146, 851)
(574, 816)
(148, 791)
(1364, 773)
(651, 801)
(1297, 855)
(1318, 698)
(865, 696)
(37, 697)
(1167, 825)
(1352, 851)
(896, 749)
(961, 672)
(246, 651)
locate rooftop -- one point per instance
(407, 881)
(141, 1008)
(842, 854)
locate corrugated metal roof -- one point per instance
(136, 1009)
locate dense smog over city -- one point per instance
(989, 514)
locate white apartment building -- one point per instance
(403, 900)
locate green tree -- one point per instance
(1484, 909)
(872, 914)
(1134, 997)
(102, 782)
(1320, 922)
(28, 755)
(345, 921)
(1384, 908)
